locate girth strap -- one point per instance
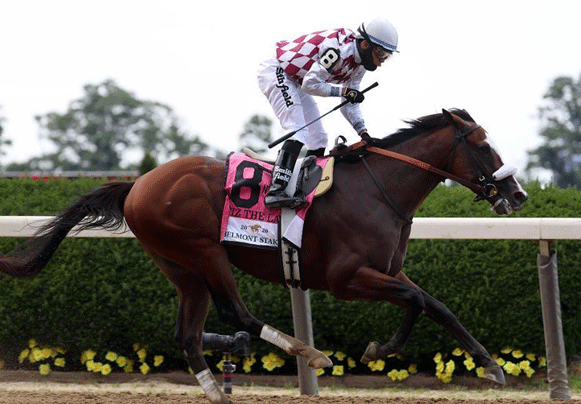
(383, 193)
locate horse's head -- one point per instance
(474, 159)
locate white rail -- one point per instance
(544, 228)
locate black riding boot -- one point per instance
(276, 196)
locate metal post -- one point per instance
(303, 327)
(551, 306)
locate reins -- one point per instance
(478, 189)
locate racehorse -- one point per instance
(354, 241)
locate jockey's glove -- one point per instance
(353, 96)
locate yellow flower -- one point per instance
(44, 369)
(500, 362)
(272, 361)
(328, 353)
(32, 343)
(136, 346)
(142, 354)
(105, 369)
(469, 363)
(438, 357)
(340, 355)
(467, 355)
(542, 361)
(320, 372)
(511, 369)
(531, 356)
(60, 350)
(376, 366)
(338, 370)
(220, 365)
(157, 360)
(480, 372)
(402, 375)
(60, 362)
(506, 350)
(457, 352)
(90, 365)
(450, 366)
(208, 353)
(517, 353)
(23, 355)
(248, 362)
(36, 355)
(111, 356)
(440, 366)
(393, 374)
(87, 355)
(144, 368)
(97, 367)
(128, 368)
(524, 365)
(413, 369)
(121, 361)
(351, 363)
(46, 353)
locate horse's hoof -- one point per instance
(320, 361)
(495, 374)
(370, 353)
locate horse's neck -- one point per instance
(409, 186)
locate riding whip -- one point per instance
(288, 135)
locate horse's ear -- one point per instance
(450, 117)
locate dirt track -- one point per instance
(85, 388)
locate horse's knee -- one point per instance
(415, 300)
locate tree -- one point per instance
(256, 134)
(561, 130)
(3, 142)
(108, 123)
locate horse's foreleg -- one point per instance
(369, 284)
(440, 314)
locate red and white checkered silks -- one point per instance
(297, 57)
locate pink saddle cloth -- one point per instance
(246, 220)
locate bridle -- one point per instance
(484, 189)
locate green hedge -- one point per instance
(106, 294)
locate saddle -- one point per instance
(310, 175)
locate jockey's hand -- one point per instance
(353, 96)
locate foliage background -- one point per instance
(106, 294)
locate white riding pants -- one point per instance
(292, 106)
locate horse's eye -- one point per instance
(484, 149)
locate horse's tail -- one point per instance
(102, 207)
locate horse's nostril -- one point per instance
(521, 197)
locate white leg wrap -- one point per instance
(209, 385)
(271, 335)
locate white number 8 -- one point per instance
(329, 59)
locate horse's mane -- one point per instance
(419, 126)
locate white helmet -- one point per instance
(381, 32)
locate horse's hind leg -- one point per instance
(232, 310)
(194, 302)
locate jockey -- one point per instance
(307, 67)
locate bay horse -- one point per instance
(354, 242)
